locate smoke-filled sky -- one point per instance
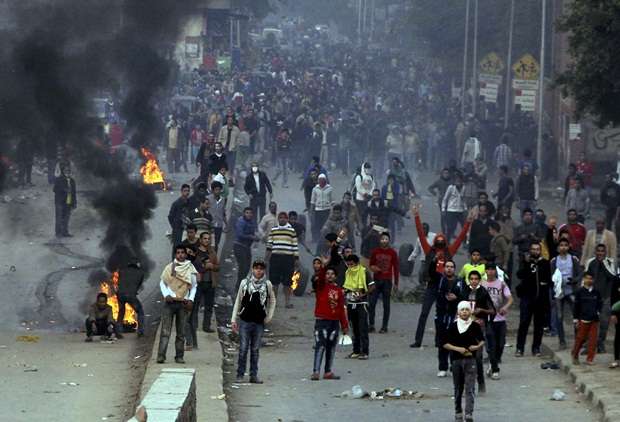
(55, 56)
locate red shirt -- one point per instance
(586, 170)
(387, 261)
(577, 237)
(330, 303)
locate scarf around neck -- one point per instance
(253, 285)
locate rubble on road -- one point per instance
(558, 395)
(390, 393)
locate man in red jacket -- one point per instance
(331, 314)
(384, 265)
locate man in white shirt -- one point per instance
(178, 287)
(417, 249)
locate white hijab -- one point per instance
(461, 324)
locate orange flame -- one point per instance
(110, 287)
(150, 171)
(295, 280)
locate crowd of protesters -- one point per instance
(381, 120)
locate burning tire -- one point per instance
(405, 266)
(300, 289)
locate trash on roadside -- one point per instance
(70, 384)
(558, 395)
(549, 365)
(236, 387)
(3, 346)
(27, 339)
(394, 393)
(31, 369)
(80, 365)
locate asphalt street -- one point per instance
(523, 393)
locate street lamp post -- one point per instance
(508, 81)
(464, 79)
(541, 81)
(474, 76)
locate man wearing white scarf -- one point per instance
(178, 287)
(463, 340)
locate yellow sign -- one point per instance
(526, 68)
(491, 64)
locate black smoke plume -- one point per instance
(55, 56)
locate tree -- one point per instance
(593, 77)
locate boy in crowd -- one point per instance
(357, 285)
(586, 316)
(464, 339)
(384, 265)
(570, 270)
(496, 329)
(254, 307)
(331, 314)
(474, 264)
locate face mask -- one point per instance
(254, 169)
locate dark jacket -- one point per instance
(525, 234)
(178, 213)
(610, 195)
(479, 237)
(263, 182)
(245, 232)
(370, 241)
(482, 298)
(615, 295)
(588, 305)
(536, 281)
(216, 163)
(445, 309)
(130, 280)
(501, 248)
(62, 188)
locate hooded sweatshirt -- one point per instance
(364, 184)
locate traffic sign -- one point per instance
(526, 68)
(491, 64)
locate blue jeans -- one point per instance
(383, 289)
(250, 335)
(325, 341)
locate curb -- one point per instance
(594, 387)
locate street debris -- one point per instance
(137, 357)
(550, 365)
(70, 384)
(558, 395)
(31, 369)
(220, 397)
(27, 339)
(391, 393)
(80, 365)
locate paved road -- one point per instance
(288, 395)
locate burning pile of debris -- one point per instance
(151, 172)
(110, 287)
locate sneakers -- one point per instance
(495, 376)
(371, 329)
(239, 378)
(442, 374)
(255, 380)
(179, 360)
(363, 356)
(383, 331)
(416, 345)
(315, 376)
(88, 339)
(161, 360)
(537, 353)
(519, 354)
(575, 360)
(353, 356)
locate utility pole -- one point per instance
(359, 22)
(464, 79)
(508, 82)
(541, 81)
(474, 76)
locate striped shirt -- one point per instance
(503, 155)
(282, 240)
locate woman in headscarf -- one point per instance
(463, 340)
